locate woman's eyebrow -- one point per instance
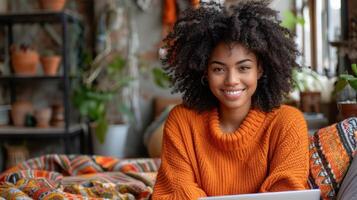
(237, 63)
(217, 62)
(242, 61)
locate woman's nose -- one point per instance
(232, 79)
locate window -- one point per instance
(322, 25)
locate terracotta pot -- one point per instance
(57, 118)
(348, 109)
(50, 64)
(19, 110)
(310, 101)
(54, 5)
(25, 62)
(43, 117)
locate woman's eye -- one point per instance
(218, 69)
(244, 68)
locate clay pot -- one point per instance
(24, 62)
(310, 101)
(57, 119)
(19, 110)
(347, 109)
(43, 117)
(53, 5)
(50, 64)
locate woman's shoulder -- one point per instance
(287, 115)
(289, 122)
(182, 111)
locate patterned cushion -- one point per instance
(80, 177)
(331, 151)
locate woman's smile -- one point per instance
(232, 94)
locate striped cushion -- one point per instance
(331, 151)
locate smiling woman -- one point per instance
(231, 135)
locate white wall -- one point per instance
(281, 5)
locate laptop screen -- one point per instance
(286, 195)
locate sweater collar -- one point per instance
(243, 136)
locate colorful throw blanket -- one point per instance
(79, 177)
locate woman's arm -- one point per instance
(176, 179)
(289, 163)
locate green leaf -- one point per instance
(116, 65)
(101, 130)
(161, 79)
(300, 20)
(288, 20)
(354, 68)
(346, 77)
(353, 84)
(340, 85)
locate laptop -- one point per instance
(286, 195)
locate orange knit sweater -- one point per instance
(269, 152)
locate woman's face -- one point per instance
(232, 75)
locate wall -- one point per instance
(281, 5)
(147, 24)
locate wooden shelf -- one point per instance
(12, 131)
(24, 77)
(39, 16)
(36, 77)
(343, 43)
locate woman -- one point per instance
(231, 135)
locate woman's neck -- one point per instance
(230, 119)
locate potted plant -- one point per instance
(24, 59)
(308, 85)
(94, 97)
(50, 62)
(347, 108)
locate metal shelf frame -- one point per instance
(62, 18)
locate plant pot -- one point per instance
(347, 109)
(19, 110)
(25, 62)
(43, 117)
(50, 64)
(115, 141)
(57, 118)
(53, 5)
(310, 101)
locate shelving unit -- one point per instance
(71, 128)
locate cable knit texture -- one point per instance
(268, 152)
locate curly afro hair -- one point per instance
(250, 23)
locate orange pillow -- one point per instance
(331, 152)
